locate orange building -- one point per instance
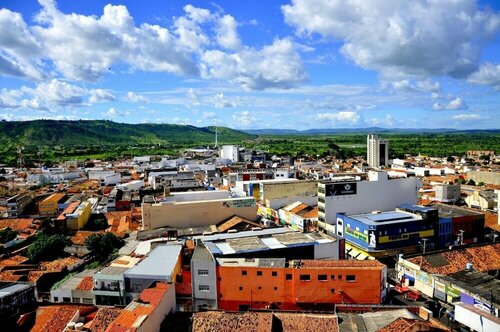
(298, 285)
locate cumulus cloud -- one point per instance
(113, 112)
(244, 119)
(488, 74)
(100, 96)
(209, 115)
(227, 35)
(344, 117)
(466, 117)
(455, 104)
(220, 101)
(401, 38)
(277, 65)
(135, 98)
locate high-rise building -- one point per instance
(377, 151)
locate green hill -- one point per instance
(72, 137)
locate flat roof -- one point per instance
(384, 218)
(252, 262)
(159, 264)
(6, 291)
(454, 211)
(112, 270)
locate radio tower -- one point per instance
(20, 158)
(216, 132)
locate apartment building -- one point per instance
(50, 205)
(18, 203)
(377, 151)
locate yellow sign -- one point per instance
(405, 236)
(356, 234)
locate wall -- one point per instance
(384, 195)
(261, 291)
(155, 318)
(196, 214)
(204, 297)
(284, 190)
(486, 177)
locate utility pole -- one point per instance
(423, 245)
(461, 237)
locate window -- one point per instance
(220, 295)
(274, 274)
(288, 276)
(322, 277)
(56, 299)
(332, 290)
(241, 288)
(204, 288)
(259, 273)
(275, 288)
(203, 272)
(243, 273)
(340, 277)
(305, 277)
(350, 277)
(332, 277)
(260, 287)
(66, 299)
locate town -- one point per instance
(224, 238)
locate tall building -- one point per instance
(377, 151)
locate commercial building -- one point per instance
(14, 297)
(18, 203)
(377, 151)
(274, 283)
(350, 195)
(446, 192)
(162, 264)
(380, 233)
(50, 205)
(196, 209)
(276, 194)
(262, 243)
(230, 152)
(466, 226)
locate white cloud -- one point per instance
(274, 66)
(135, 98)
(193, 99)
(209, 115)
(220, 101)
(455, 104)
(113, 112)
(344, 117)
(100, 96)
(244, 119)
(467, 117)
(401, 38)
(190, 35)
(227, 36)
(488, 74)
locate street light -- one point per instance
(423, 245)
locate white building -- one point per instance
(132, 185)
(446, 192)
(353, 196)
(377, 151)
(230, 152)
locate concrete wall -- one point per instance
(486, 177)
(200, 298)
(197, 213)
(155, 318)
(281, 190)
(384, 195)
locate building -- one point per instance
(264, 283)
(162, 264)
(475, 318)
(196, 209)
(276, 194)
(350, 195)
(50, 205)
(446, 193)
(485, 177)
(15, 297)
(76, 289)
(466, 226)
(377, 151)
(262, 243)
(18, 203)
(230, 152)
(79, 217)
(298, 216)
(482, 200)
(381, 233)
(147, 313)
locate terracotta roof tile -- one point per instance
(87, 283)
(60, 264)
(80, 237)
(55, 318)
(13, 261)
(341, 263)
(103, 318)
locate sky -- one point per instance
(246, 64)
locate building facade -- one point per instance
(377, 151)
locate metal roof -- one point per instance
(159, 265)
(6, 291)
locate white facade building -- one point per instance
(377, 151)
(230, 152)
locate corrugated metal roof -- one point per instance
(158, 265)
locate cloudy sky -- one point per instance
(253, 64)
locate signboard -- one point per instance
(358, 235)
(406, 236)
(340, 189)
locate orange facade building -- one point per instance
(269, 283)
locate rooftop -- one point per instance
(159, 265)
(483, 258)
(390, 217)
(454, 211)
(252, 262)
(54, 198)
(12, 288)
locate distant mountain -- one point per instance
(99, 132)
(330, 131)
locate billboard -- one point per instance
(340, 189)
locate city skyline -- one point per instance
(247, 65)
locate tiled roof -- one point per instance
(484, 258)
(491, 220)
(69, 209)
(298, 322)
(87, 283)
(234, 221)
(342, 263)
(13, 261)
(25, 226)
(80, 237)
(312, 214)
(103, 318)
(55, 318)
(409, 325)
(10, 276)
(58, 265)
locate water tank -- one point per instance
(78, 326)
(70, 326)
(468, 267)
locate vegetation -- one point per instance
(47, 247)
(103, 245)
(7, 234)
(96, 224)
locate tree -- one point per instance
(7, 234)
(481, 184)
(97, 224)
(47, 247)
(450, 159)
(471, 182)
(103, 245)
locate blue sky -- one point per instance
(253, 64)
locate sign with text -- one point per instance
(340, 189)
